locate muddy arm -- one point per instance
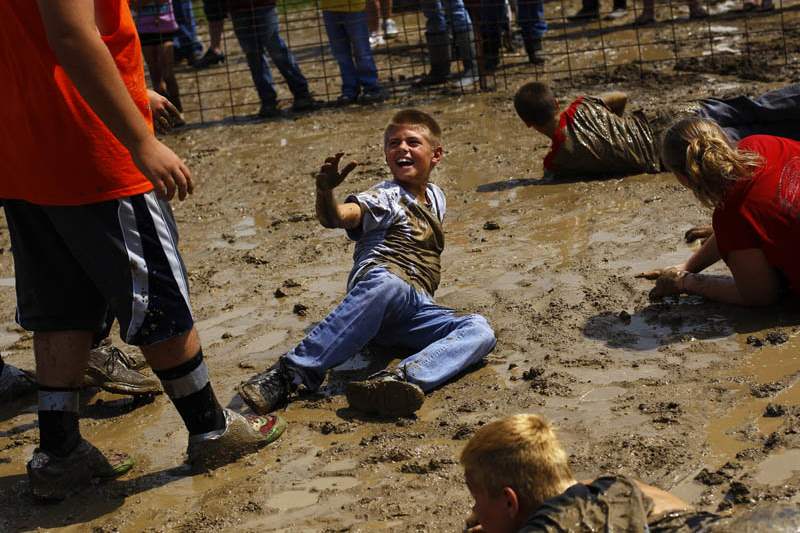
(663, 501)
(616, 101)
(704, 257)
(754, 282)
(331, 213)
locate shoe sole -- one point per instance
(388, 398)
(130, 390)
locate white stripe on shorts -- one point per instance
(167, 240)
(139, 273)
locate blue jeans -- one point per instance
(348, 35)
(774, 113)
(186, 41)
(257, 33)
(385, 309)
(439, 12)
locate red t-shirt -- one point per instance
(54, 150)
(764, 212)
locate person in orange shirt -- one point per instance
(85, 188)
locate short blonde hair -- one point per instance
(699, 150)
(419, 119)
(521, 452)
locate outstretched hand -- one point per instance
(329, 176)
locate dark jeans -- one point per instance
(774, 113)
(348, 35)
(186, 42)
(441, 14)
(530, 16)
(257, 32)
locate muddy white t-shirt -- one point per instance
(400, 234)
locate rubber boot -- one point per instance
(439, 52)
(533, 47)
(466, 50)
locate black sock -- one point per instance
(59, 432)
(2, 364)
(188, 387)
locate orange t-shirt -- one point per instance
(54, 150)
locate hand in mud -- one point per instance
(658, 272)
(667, 284)
(329, 177)
(698, 232)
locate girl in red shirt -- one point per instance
(754, 189)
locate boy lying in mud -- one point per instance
(520, 479)
(397, 226)
(593, 137)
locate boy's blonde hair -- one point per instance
(535, 103)
(417, 118)
(698, 150)
(521, 452)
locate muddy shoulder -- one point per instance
(693, 397)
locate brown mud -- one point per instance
(672, 393)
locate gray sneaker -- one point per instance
(108, 369)
(55, 478)
(15, 383)
(242, 435)
(390, 28)
(386, 393)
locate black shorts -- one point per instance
(215, 9)
(74, 263)
(152, 39)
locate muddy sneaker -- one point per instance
(385, 393)
(55, 478)
(109, 371)
(15, 383)
(264, 392)
(129, 360)
(242, 435)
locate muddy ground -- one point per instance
(698, 398)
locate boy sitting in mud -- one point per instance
(593, 137)
(397, 226)
(520, 479)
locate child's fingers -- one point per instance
(650, 274)
(348, 169)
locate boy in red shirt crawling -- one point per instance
(593, 137)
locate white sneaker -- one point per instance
(390, 28)
(376, 39)
(467, 79)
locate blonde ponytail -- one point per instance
(699, 151)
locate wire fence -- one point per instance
(754, 44)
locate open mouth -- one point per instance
(404, 162)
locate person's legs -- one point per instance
(215, 11)
(187, 45)
(358, 35)
(461, 23)
(491, 27)
(335, 27)
(249, 33)
(533, 26)
(380, 297)
(279, 53)
(447, 343)
(167, 61)
(152, 57)
(773, 113)
(590, 9)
